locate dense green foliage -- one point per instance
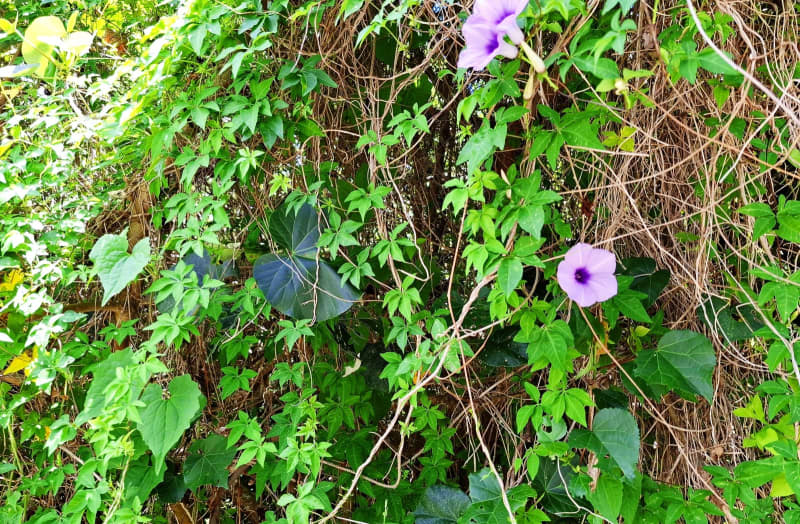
(280, 261)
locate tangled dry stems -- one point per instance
(671, 188)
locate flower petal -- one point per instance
(585, 297)
(578, 255)
(603, 286)
(601, 261)
(509, 27)
(471, 57)
(505, 49)
(498, 10)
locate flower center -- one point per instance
(581, 275)
(492, 45)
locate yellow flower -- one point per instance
(22, 362)
(12, 280)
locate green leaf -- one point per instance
(103, 374)
(115, 267)
(481, 145)
(141, 479)
(207, 463)
(684, 361)
(607, 496)
(303, 288)
(509, 273)
(37, 46)
(348, 8)
(501, 350)
(576, 129)
(630, 304)
(441, 505)
(789, 222)
(719, 316)
(163, 421)
(709, 60)
(617, 431)
(754, 474)
(298, 284)
(786, 295)
(487, 502)
(603, 68)
(757, 210)
(298, 233)
(173, 488)
(551, 343)
(624, 6)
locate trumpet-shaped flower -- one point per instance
(503, 15)
(484, 42)
(485, 31)
(587, 274)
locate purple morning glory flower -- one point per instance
(485, 31)
(484, 42)
(502, 14)
(587, 274)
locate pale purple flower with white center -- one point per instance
(587, 274)
(502, 14)
(484, 42)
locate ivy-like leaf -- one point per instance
(207, 462)
(684, 361)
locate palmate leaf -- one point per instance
(684, 362)
(201, 266)
(298, 284)
(207, 462)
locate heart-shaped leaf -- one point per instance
(163, 421)
(298, 284)
(684, 362)
(114, 265)
(303, 288)
(297, 234)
